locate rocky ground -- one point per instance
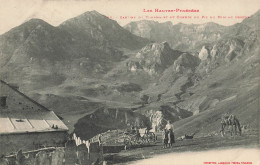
(247, 140)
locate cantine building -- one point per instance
(25, 124)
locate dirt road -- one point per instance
(224, 156)
(249, 140)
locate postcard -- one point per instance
(129, 82)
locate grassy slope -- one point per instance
(237, 90)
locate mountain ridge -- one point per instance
(90, 62)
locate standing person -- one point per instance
(138, 136)
(99, 140)
(169, 127)
(165, 138)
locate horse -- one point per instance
(231, 121)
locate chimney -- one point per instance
(3, 101)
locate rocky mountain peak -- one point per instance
(34, 37)
(37, 21)
(162, 47)
(154, 58)
(157, 49)
(26, 28)
(93, 12)
(204, 53)
(186, 61)
(104, 31)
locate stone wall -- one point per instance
(81, 155)
(46, 156)
(11, 143)
(68, 155)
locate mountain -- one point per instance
(23, 42)
(88, 43)
(154, 58)
(225, 82)
(252, 21)
(190, 37)
(207, 82)
(104, 31)
(91, 66)
(150, 29)
(180, 36)
(56, 65)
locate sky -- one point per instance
(15, 12)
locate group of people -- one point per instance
(168, 135)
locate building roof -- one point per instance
(22, 114)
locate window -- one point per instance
(19, 120)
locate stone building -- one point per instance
(25, 124)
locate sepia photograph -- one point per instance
(141, 82)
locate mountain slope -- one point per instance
(211, 79)
(103, 31)
(61, 68)
(25, 40)
(84, 46)
(88, 65)
(186, 37)
(180, 36)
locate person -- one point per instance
(99, 140)
(138, 135)
(169, 127)
(165, 138)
